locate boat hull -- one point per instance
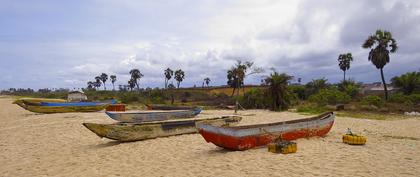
(64, 109)
(36, 101)
(168, 107)
(149, 116)
(247, 137)
(134, 132)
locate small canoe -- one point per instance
(77, 103)
(149, 116)
(135, 132)
(65, 109)
(168, 107)
(250, 136)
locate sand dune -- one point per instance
(58, 145)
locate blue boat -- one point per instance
(77, 103)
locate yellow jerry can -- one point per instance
(284, 147)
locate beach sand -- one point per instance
(58, 145)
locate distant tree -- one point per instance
(90, 85)
(168, 75)
(381, 44)
(408, 82)
(104, 78)
(136, 75)
(344, 62)
(113, 79)
(207, 81)
(278, 91)
(98, 82)
(171, 86)
(299, 80)
(131, 84)
(315, 86)
(179, 76)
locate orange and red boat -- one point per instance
(250, 136)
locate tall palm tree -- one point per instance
(113, 79)
(90, 85)
(381, 44)
(277, 89)
(104, 78)
(179, 76)
(136, 75)
(168, 75)
(408, 82)
(207, 81)
(344, 62)
(98, 82)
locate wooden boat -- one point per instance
(136, 131)
(83, 103)
(168, 107)
(250, 136)
(65, 109)
(36, 101)
(148, 116)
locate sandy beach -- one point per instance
(58, 145)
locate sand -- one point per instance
(58, 145)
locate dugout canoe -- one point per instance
(149, 116)
(76, 103)
(36, 101)
(65, 109)
(250, 136)
(126, 132)
(168, 107)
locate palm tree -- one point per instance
(104, 78)
(131, 83)
(98, 82)
(207, 81)
(90, 85)
(277, 90)
(179, 76)
(381, 44)
(113, 79)
(315, 86)
(135, 76)
(408, 82)
(344, 62)
(168, 75)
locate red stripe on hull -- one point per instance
(248, 142)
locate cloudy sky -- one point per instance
(49, 43)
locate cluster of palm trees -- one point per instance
(179, 77)
(101, 79)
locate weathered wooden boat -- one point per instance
(83, 103)
(250, 136)
(168, 107)
(36, 101)
(65, 109)
(141, 131)
(149, 116)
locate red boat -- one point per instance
(250, 136)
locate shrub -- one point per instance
(254, 98)
(414, 98)
(329, 96)
(372, 100)
(398, 98)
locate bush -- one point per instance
(398, 98)
(312, 109)
(372, 100)
(254, 98)
(414, 98)
(329, 96)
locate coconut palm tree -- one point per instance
(408, 82)
(381, 44)
(277, 90)
(344, 62)
(104, 78)
(179, 76)
(168, 75)
(113, 79)
(136, 75)
(207, 81)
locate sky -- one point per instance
(65, 44)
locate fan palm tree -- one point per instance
(179, 76)
(408, 82)
(113, 79)
(344, 62)
(168, 75)
(381, 44)
(136, 75)
(207, 81)
(277, 89)
(104, 78)
(90, 85)
(131, 84)
(98, 82)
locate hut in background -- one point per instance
(76, 96)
